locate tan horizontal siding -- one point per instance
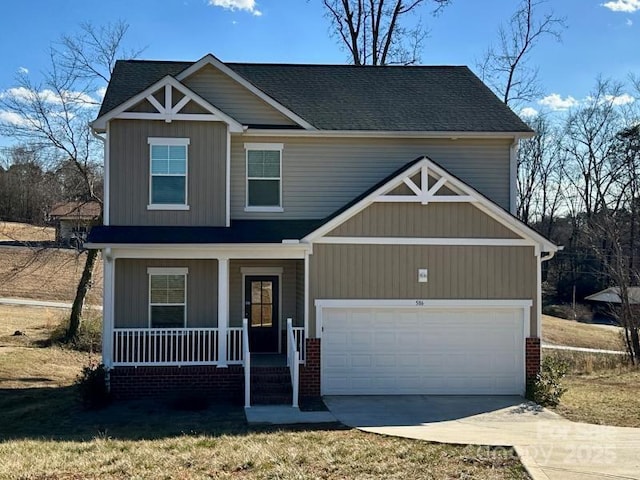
(132, 291)
(233, 99)
(129, 165)
(320, 175)
(391, 272)
(449, 220)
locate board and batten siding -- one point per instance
(129, 166)
(434, 220)
(234, 99)
(320, 175)
(132, 291)
(288, 306)
(391, 272)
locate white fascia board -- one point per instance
(481, 202)
(209, 59)
(459, 241)
(452, 135)
(494, 211)
(100, 123)
(422, 303)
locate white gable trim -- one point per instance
(213, 61)
(167, 112)
(465, 194)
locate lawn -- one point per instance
(24, 232)
(605, 398)
(45, 274)
(601, 389)
(45, 434)
(558, 331)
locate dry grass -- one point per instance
(558, 331)
(24, 232)
(44, 433)
(585, 363)
(605, 398)
(45, 274)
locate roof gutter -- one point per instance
(451, 135)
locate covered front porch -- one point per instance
(205, 309)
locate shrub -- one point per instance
(92, 386)
(547, 388)
(89, 337)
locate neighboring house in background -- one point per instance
(370, 206)
(73, 220)
(612, 295)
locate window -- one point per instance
(168, 179)
(167, 297)
(264, 177)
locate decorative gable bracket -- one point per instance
(424, 194)
(165, 109)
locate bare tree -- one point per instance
(505, 66)
(592, 169)
(540, 175)
(374, 31)
(55, 114)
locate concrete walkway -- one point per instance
(549, 446)
(41, 303)
(285, 415)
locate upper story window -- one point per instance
(168, 174)
(167, 297)
(264, 177)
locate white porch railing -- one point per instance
(234, 346)
(165, 346)
(246, 355)
(293, 361)
(298, 333)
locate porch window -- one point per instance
(167, 297)
(168, 174)
(264, 177)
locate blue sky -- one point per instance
(601, 39)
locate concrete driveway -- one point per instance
(549, 446)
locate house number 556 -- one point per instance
(420, 303)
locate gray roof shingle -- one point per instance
(347, 97)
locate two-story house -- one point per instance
(348, 227)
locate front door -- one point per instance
(261, 309)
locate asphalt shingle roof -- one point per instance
(347, 97)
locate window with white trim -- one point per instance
(264, 177)
(168, 173)
(167, 297)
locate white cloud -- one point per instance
(528, 112)
(100, 92)
(23, 71)
(629, 6)
(48, 96)
(623, 99)
(246, 5)
(11, 118)
(556, 102)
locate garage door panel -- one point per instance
(422, 351)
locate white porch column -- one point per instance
(107, 308)
(223, 310)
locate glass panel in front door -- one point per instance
(261, 303)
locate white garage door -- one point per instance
(400, 350)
